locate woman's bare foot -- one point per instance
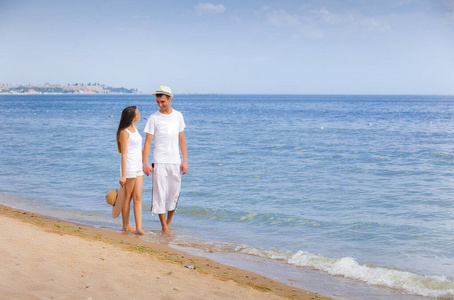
(139, 231)
(129, 228)
(167, 231)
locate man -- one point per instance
(167, 127)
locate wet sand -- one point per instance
(43, 257)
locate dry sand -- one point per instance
(43, 257)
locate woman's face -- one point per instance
(137, 115)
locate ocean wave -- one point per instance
(262, 218)
(410, 283)
(439, 287)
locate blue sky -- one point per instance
(232, 47)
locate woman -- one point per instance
(129, 143)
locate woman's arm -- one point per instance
(123, 148)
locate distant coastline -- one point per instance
(78, 88)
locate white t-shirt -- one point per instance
(165, 130)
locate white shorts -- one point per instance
(166, 188)
(134, 174)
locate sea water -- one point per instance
(352, 188)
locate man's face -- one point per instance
(163, 102)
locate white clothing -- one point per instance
(165, 130)
(133, 154)
(134, 174)
(166, 188)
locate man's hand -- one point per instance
(147, 169)
(184, 167)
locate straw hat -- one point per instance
(163, 90)
(116, 199)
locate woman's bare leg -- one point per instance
(137, 198)
(128, 188)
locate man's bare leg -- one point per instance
(165, 228)
(169, 218)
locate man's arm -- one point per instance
(147, 169)
(184, 163)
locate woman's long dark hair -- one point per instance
(127, 116)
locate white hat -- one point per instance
(163, 90)
(116, 199)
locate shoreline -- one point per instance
(216, 273)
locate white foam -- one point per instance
(430, 286)
(409, 283)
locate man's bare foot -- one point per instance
(167, 231)
(129, 228)
(139, 231)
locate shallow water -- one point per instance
(353, 186)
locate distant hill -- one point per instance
(65, 89)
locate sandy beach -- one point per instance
(43, 257)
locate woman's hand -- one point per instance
(122, 181)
